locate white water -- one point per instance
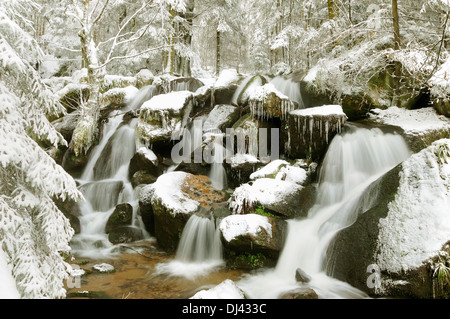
(105, 182)
(217, 174)
(290, 89)
(354, 161)
(199, 251)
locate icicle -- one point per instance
(326, 130)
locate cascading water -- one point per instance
(217, 174)
(353, 162)
(105, 182)
(290, 89)
(199, 250)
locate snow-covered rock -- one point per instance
(282, 197)
(420, 127)
(119, 96)
(404, 232)
(72, 95)
(245, 89)
(111, 81)
(167, 205)
(266, 102)
(144, 77)
(253, 234)
(226, 290)
(308, 132)
(222, 116)
(163, 117)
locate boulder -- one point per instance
(266, 102)
(116, 81)
(307, 133)
(67, 124)
(144, 78)
(277, 196)
(223, 116)
(118, 96)
(145, 160)
(300, 293)
(420, 128)
(143, 178)
(253, 234)
(301, 276)
(174, 198)
(71, 210)
(163, 118)
(226, 290)
(125, 235)
(392, 248)
(73, 95)
(122, 216)
(245, 90)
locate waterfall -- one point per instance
(289, 88)
(199, 251)
(353, 162)
(217, 174)
(105, 182)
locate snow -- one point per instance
(168, 190)
(226, 77)
(240, 159)
(218, 116)
(264, 191)
(269, 170)
(413, 122)
(149, 155)
(174, 101)
(226, 290)
(104, 268)
(418, 222)
(234, 226)
(325, 110)
(8, 289)
(292, 174)
(128, 92)
(259, 93)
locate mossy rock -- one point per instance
(122, 216)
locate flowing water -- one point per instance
(199, 251)
(289, 88)
(354, 160)
(105, 181)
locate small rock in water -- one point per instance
(302, 276)
(300, 293)
(104, 268)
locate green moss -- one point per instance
(253, 260)
(261, 210)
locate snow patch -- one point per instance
(270, 170)
(168, 190)
(234, 226)
(325, 110)
(174, 101)
(8, 289)
(226, 77)
(415, 122)
(226, 290)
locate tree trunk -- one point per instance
(397, 43)
(218, 53)
(331, 9)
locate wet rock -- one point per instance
(301, 276)
(221, 117)
(72, 163)
(143, 178)
(71, 211)
(125, 235)
(300, 293)
(145, 160)
(122, 216)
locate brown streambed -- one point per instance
(134, 277)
